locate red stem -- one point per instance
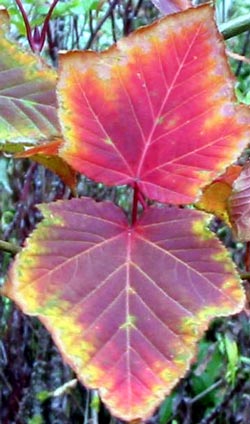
(142, 200)
(26, 22)
(135, 204)
(46, 23)
(36, 40)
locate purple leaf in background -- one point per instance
(172, 6)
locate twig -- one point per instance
(113, 26)
(127, 18)
(36, 39)
(86, 413)
(76, 32)
(235, 26)
(100, 24)
(222, 406)
(46, 24)
(52, 45)
(137, 8)
(28, 179)
(9, 247)
(237, 56)
(207, 391)
(245, 275)
(94, 411)
(26, 22)
(65, 388)
(244, 51)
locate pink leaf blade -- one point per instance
(158, 109)
(125, 305)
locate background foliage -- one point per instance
(32, 374)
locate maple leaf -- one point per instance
(157, 110)
(125, 305)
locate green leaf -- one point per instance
(231, 349)
(27, 94)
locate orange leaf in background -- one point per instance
(47, 155)
(215, 196)
(51, 148)
(231, 174)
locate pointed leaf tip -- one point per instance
(125, 305)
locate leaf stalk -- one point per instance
(36, 38)
(135, 204)
(245, 275)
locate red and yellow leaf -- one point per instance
(172, 6)
(47, 155)
(59, 167)
(239, 205)
(215, 197)
(27, 93)
(125, 305)
(50, 148)
(158, 109)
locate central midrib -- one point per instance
(148, 143)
